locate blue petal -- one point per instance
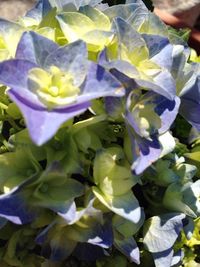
(190, 105)
(13, 73)
(124, 72)
(177, 258)
(163, 258)
(188, 227)
(134, 12)
(35, 48)
(145, 152)
(166, 109)
(103, 236)
(113, 106)
(59, 247)
(46, 7)
(41, 8)
(100, 83)
(129, 248)
(14, 208)
(6, 25)
(163, 84)
(160, 50)
(39, 120)
(69, 214)
(126, 34)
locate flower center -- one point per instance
(146, 118)
(54, 88)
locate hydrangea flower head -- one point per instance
(52, 84)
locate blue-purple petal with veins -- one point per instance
(190, 105)
(160, 50)
(35, 48)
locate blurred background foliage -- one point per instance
(148, 3)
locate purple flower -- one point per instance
(52, 84)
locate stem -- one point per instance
(3, 106)
(11, 121)
(4, 142)
(13, 124)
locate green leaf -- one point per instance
(53, 189)
(112, 179)
(14, 111)
(101, 21)
(85, 139)
(22, 141)
(49, 20)
(125, 205)
(125, 227)
(153, 25)
(184, 34)
(116, 260)
(63, 148)
(15, 167)
(174, 199)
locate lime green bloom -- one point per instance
(46, 26)
(10, 34)
(195, 239)
(4, 53)
(114, 182)
(89, 25)
(194, 57)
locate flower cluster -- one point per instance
(97, 103)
